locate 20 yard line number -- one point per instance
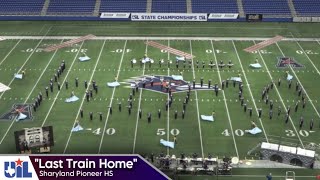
(109, 131)
(161, 132)
(306, 51)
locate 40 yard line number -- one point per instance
(109, 131)
(237, 132)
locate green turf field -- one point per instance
(121, 133)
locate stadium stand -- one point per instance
(71, 7)
(307, 7)
(123, 6)
(21, 7)
(169, 6)
(274, 7)
(216, 6)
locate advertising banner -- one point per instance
(223, 16)
(168, 17)
(115, 15)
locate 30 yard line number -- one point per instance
(109, 131)
(121, 50)
(303, 133)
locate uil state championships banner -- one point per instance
(168, 17)
(77, 167)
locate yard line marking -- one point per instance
(300, 82)
(111, 100)
(306, 54)
(245, 77)
(10, 52)
(139, 105)
(276, 88)
(26, 61)
(29, 94)
(63, 82)
(168, 113)
(75, 121)
(197, 103)
(225, 101)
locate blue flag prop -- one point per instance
(289, 77)
(21, 116)
(18, 76)
(256, 66)
(77, 128)
(180, 58)
(254, 131)
(207, 118)
(237, 79)
(113, 84)
(84, 58)
(167, 143)
(72, 99)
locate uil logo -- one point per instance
(17, 169)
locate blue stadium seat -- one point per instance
(169, 6)
(80, 7)
(214, 6)
(307, 7)
(266, 7)
(21, 7)
(123, 6)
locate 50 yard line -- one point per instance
(139, 105)
(225, 100)
(83, 98)
(111, 100)
(198, 114)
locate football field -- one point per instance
(118, 132)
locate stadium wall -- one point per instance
(78, 18)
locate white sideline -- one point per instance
(162, 38)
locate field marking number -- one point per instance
(238, 132)
(303, 133)
(306, 51)
(161, 132)
(109, 131)
(121, 50)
